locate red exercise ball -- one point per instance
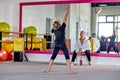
(10, 56)
(3, 55)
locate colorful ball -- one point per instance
(35, 44)
(30, 30)
(8, 45)
(10, 56)
(4, 27)
(3, 55)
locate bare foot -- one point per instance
(47, 71)
(72, 63)
(89, 63)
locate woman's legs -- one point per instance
(87, 52)
(69, 70)
(49, 66)
(109, 47)
(115, 48)
(65, 50)
(55, 52)
(74, 57)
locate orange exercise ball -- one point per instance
(3, 55)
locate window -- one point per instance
(48, 25)
(105, 29)
(107, 24)
(118, 35)
(110, 18)
(102, 19)
(118, 18)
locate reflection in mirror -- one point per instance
(105, 20)
(99, 18)
(43, 16)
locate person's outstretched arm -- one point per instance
(66, 14)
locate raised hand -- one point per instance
(68, 7)
(66, 14)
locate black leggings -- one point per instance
(114, 47)
(87, 52)
(56, 50)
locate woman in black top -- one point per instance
(59, 31)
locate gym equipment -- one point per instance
(18, 56)
(3, 55)
(35, 43)
(10, 56)
(4, 27)
(18, 49)
(48, 38)
(30, 30)
(8, 45)
(44, 47)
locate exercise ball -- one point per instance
(36, 42)
(29, 45)
(3, 55)
(30, 30)
(44, 46)
(4, 27)
(10, 56)
(8, 45)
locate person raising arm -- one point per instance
(60, 44)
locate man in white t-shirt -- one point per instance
(96, 43)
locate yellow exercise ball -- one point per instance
(36, 42)
(29, 45)
(8, 45)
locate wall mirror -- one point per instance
(101, 18)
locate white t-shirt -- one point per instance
(96, 44)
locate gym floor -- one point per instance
(34, 71)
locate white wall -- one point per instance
(11, 9)
(96, 60)
(85, 18)
(80, 13)
(36, 16)
(6, 11)
(74, 17)
(60, 11)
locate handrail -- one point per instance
(21, 34)
(24, 33)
